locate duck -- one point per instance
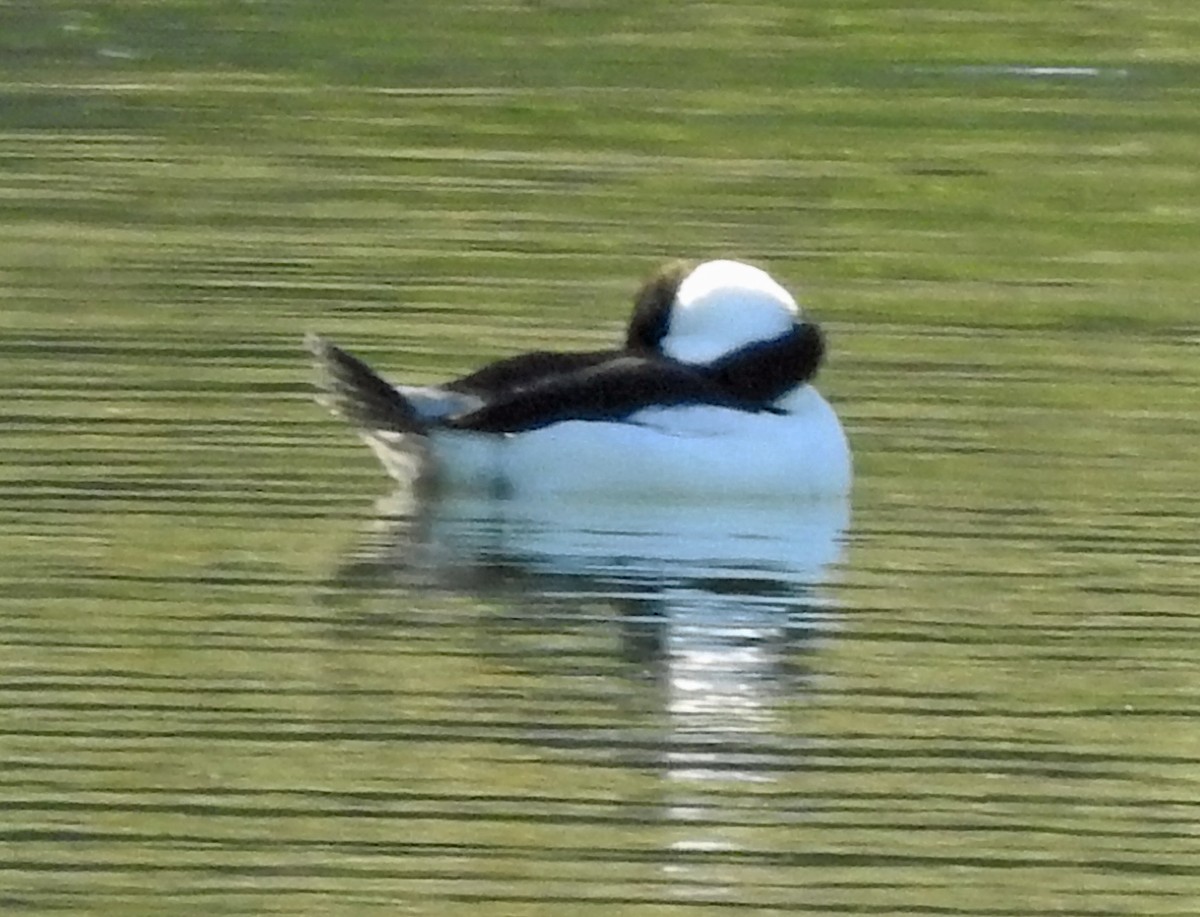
(709, 395)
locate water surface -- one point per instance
(238, 678)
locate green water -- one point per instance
(231, 683)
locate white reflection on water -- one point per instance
(1034, 71)
(717, 605)
(713, 599)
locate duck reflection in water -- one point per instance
(715, 605)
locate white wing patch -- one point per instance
(433, 403)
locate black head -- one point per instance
(652, 307)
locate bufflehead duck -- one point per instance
(711, 394)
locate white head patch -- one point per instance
(722, 306)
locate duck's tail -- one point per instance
(385, 419)
(352, 390)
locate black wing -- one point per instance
(610, 390)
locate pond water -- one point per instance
(238, 676)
